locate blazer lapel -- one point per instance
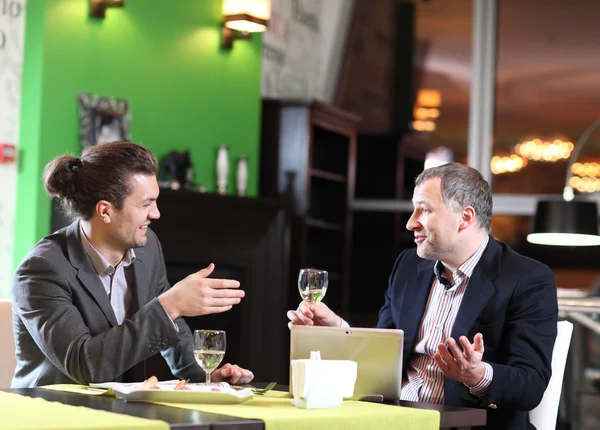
(414, 301)
(139, 281)
(479, 290)
(139, 299)
(87, 274)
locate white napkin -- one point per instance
(321, 383)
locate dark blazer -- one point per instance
(511, 300)
(65, 328)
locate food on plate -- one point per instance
(152, 384)
(148, 384)
(181, 385)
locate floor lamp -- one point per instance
(567, 222)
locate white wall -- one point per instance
(336, 17)
(12, 27)
(304, 47)
(291, 52)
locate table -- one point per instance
(451, 417)
(176, 417)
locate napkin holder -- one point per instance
(320, 384)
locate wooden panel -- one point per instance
(583, 279)
(376, 75)
(308, 155)
(245, 238)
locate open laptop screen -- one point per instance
(378, 353)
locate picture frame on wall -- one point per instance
(103, 119)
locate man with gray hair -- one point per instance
(479, 319)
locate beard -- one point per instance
(138, 242)
(433, 251)
(126, 240)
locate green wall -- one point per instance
(165, 58)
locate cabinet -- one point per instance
(308, 155)
(386, 169)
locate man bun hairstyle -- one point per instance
(101, 173)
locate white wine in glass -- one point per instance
(312, 285)
(209, 349)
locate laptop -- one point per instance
(378, 353)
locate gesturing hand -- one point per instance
(462, 364)
(198, 294)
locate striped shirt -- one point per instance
(425, 378)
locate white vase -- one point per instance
(222, 169)
(242, 176)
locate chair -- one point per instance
(7, 340)
(543, 417)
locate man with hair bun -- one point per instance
(91, 301)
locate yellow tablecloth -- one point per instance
(278, 414)
(276, 410)
(80, 389)
(26, 413)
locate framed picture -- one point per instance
(103, 119)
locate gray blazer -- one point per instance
(66, 331)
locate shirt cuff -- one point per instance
(169, 316)
(479, 389)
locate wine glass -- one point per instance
(209, 349)
(312, 284)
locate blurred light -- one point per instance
(586, 169)
(426, 110)
(423, 125)
(438, 157)
(545, 151)
(429, 98)
(510, 164)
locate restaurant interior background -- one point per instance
(386, 81)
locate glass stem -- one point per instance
(208, 377)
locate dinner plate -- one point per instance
(220, 393)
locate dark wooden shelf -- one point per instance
(324, 225)
(334, 276)
(308, 154)
(405, 235)
(318, 173)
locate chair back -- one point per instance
(544, 416)
(7, 342)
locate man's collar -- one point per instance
(465, 269)
(101, 264)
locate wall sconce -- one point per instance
(243, 17)
(98, 7)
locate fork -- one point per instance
(255, 390)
